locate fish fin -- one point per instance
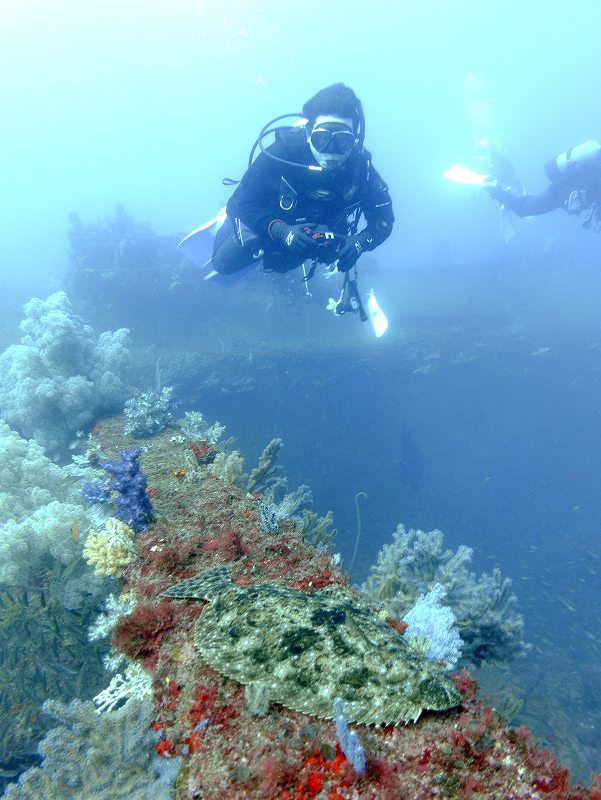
(203, 586)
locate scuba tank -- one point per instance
(587, 154)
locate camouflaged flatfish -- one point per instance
(311, 648)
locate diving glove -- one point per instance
(349, 253)
(497, 192)
(296, 239)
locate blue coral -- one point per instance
(348, 740)
(125, 488)
(95, 492)
(430, 619)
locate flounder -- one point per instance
(309, 649)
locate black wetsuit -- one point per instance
(586, 182)
(271, 190)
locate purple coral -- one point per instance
(132, 503)
(125, 488)
(96, 492)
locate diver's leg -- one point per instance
(228, 255)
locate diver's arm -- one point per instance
(377, 210)
(530, 205)
(257, 195)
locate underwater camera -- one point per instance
(328, 247)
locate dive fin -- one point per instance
(506, 224)
(198, 245)
(377, 316)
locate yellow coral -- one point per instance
(110, 550)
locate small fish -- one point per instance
(63, 669)
(568, 605)
(74, 532)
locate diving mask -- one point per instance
(331, 140)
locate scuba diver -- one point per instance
(301, 200)
(575, 178)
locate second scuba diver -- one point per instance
(575, 186)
